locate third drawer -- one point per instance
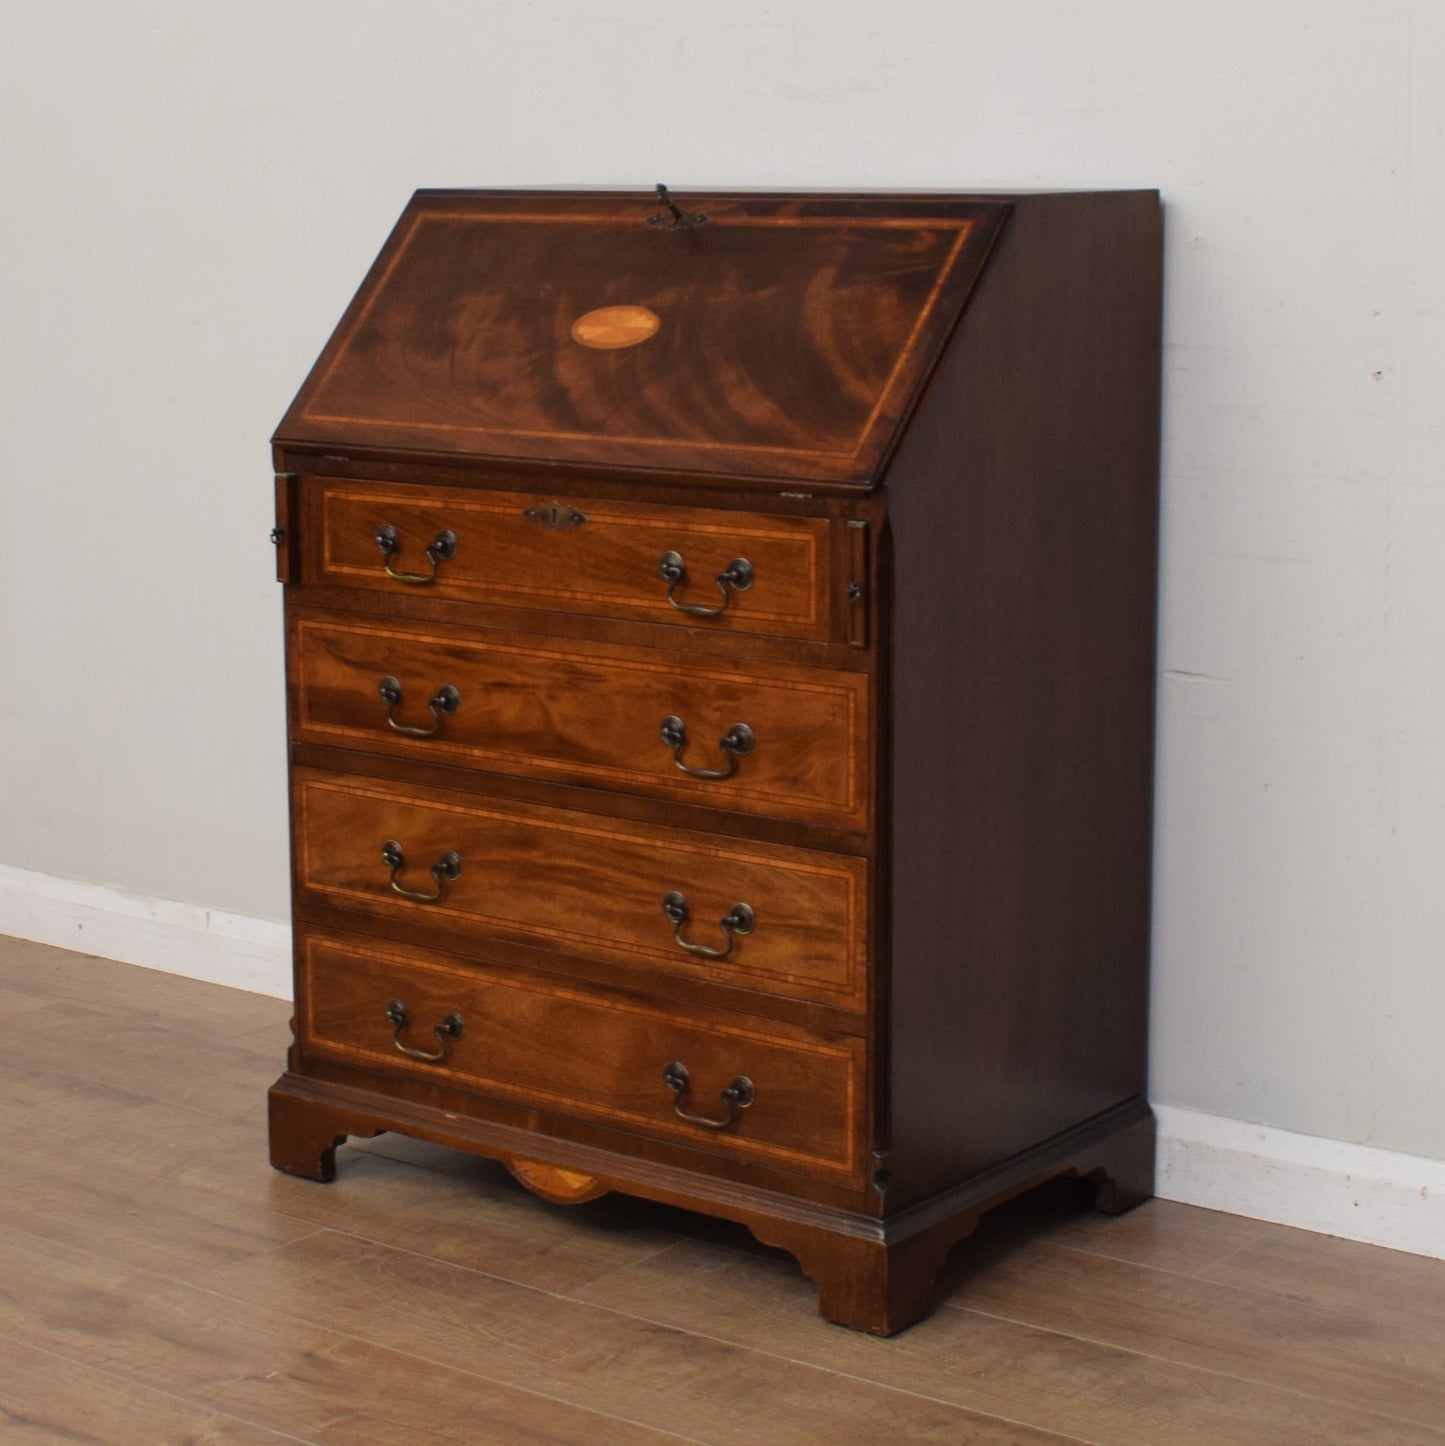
(785, 921)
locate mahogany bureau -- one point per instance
(720, 635)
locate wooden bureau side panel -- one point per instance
(588, 1053)
(1022, 532)
(606, 565)
(584, 884)
(592, 715)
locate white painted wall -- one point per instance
(191, 193)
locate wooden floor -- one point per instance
(160, 1283)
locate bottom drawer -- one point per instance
(756, 1088)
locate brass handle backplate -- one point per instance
(442, 548)
(738, 1095)
(737, 575)
(443, 871)
(449, 1029)
(740, 919)
(446, 700)
(736, 743)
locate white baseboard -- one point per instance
(1329, 1186)
(189, 939)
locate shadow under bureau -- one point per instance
(720, 645)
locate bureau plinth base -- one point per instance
(882, 1280)
(873, 1274)
(878, 1281)
(1123, 1172)
(306, 1129)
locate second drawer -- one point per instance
(787, 921)
(784, 742)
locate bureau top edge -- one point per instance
(498, 473)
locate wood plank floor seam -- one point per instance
(82, 1361)
(459, 1265)
(973, 1412)
(1200, 1272)
(156, 1391)
(464, 1370)
(1323, 1313)
(1275, 1385)
(1032, 1331)
(255, 1255)
(853, 1376)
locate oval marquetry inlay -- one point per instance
(552, 1182)
(610, 328)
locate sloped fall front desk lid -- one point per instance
(782, 338)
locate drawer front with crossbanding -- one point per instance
(781, 742)
(725, 571)
(781, 920)
(741, 1086)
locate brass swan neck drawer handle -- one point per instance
(446, 700)
(738, 575)
(442, 548)
(740, 919)
(449, 1029)
(736, 743)
(738, 1095)
(443, 871)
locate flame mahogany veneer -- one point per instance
(720, 643)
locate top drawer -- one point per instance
(699, 567)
